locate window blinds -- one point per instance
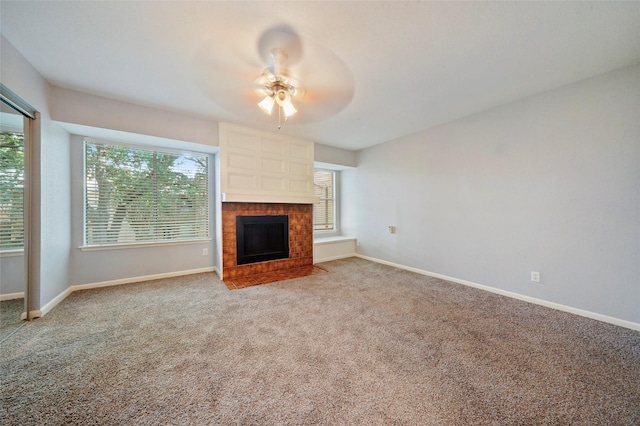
(140, 195)
(11, 191)
(324, 211)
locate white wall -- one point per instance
(550, 183)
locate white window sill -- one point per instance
(139, 245)
(326, 233)
(12, 253)
(329, 240)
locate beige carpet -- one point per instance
(10, 313)
(360, 344)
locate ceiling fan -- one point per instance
(297, 76)
(278, 87)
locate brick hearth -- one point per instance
(300, 237)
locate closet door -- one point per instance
(16, 120)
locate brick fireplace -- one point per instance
(300, 237)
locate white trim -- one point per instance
(331, 240)
(59, 298)
(121, 281)
(581, 312)
(49, 306)
(148, 244)
(331, 166)
(228, 197)
(11, 296)
(12, 253)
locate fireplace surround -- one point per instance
(300, 237)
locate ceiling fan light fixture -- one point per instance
(266, 104)
(289, 109)
(283, 97)
(277, 87)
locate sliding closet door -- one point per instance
(16, 123)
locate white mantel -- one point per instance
(264, 167)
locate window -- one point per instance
(11, 190)
(324, 211)
(142, 195)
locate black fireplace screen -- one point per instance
(261, 238)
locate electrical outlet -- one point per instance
(535, 276)
(205, 252)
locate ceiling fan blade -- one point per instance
(227, 76)
(327, 83)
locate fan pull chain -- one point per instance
(279, 112)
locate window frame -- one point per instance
(147, 243)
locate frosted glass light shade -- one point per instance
(266, 104)
(289, 109)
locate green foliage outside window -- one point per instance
(143, 195)
(11, 191)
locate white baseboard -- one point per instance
(142, 278)
(11, 296)
(49, 306)
(59, 298)
(541, 302)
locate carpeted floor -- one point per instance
(10, 312)
(362, 343)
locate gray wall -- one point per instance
(12, 274)
(69, 106)
(55, 207)
(125, 122)
(550, 183)
(334, 156)
(50, 184)
(59, 262)
(89, 267)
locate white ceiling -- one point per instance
(410, 65)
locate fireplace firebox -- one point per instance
(261, 238)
